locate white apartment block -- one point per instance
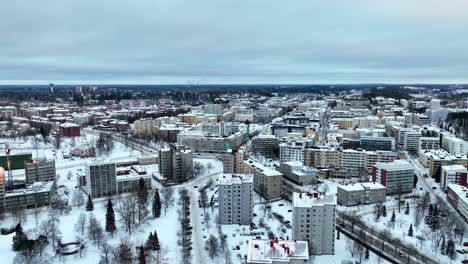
(451, 174)
(429, 143)
(235, 199)
(313, 221)
(397, 176)
(293, 149)
(411, 140)
(456, 146)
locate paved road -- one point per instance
(396, 251)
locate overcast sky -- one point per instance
(233, 41)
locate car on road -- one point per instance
(196, 186)
(434, 188)
(253, 226)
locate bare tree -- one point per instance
(80, 224)
(95, 231)
(212, 246)
(158, 257)
(123, 253)
(106, 254)
(168, 197)
(203, 200)
(57, 141)
(53, 222)
(78, 198)
(126, 211)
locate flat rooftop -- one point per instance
(228, 178)
(276, 251)
(313, 199)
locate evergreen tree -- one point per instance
(149, 242)
(338, 235)
(392, 219)
(442, 247)
(156, 204)
(142, 191)
(410, 230)
(20, 240)
(367, 253)
(384, 211)
(89, 204)
(157, 246)
(407, 209)
(141, 256)
(110, 218)
(428, 218)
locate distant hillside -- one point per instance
(458, 124)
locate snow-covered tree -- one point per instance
(89, 204)
(110, 218)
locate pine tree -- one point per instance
(407, 209)
(428, 218)
(384, 211)
(110, 218)
(156, 204)
(392, 219)
(442, 247)
(89, 204)
(141, 256)
(410, 230)
(142, 191)
(157, 246)
(149, 242)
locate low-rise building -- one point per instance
(39, 170)
(235, 199)
(361, 193)
(36, 195)
(296, 178)
(69, 130)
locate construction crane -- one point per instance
(10, 173)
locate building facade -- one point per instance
(313, 220)
(235, 199)
(39, 170)
(361, 193)
(396, 176)
(176, 163)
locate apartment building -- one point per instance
(457, 196)
(322, 157)
(235, 199)
(428, 143)
(454, 145)
(266, 145)
(361, 193)
(144, 127)
(396, 176)
(202, 142)
(296, 178)
(267, 181)
(128, 178)
(453, 174)
(377, 143)
(411, 141)
(313, 220)
(101, 180)
(434, 159)
(264, 251)
(292, 149)
(176, 163)
(39, 170)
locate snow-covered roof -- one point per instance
(313, 199)
(262, 168)
(396, 165)
(360, 186)
(276, 251)
(228, 178)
